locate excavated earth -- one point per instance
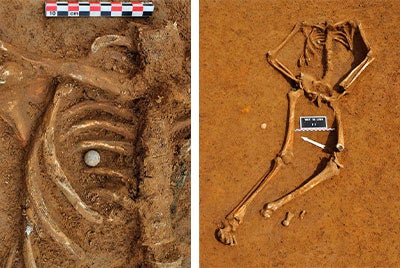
(141, 189)
(351, 220)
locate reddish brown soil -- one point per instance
(155, 225)
(352, 219)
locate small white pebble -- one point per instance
(263, 126)
(92, 158)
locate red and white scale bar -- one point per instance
(99, 9)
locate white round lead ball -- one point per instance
(263, 126)
(92, 158)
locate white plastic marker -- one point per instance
(313, 142)
(99, 9)
(313, 123)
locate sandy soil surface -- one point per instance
(66, 87)
(351, 219)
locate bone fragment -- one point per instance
(108, 40)
(116, 195)
(289, 217)
(302, 214)
(123, 175)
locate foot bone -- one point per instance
(226, 234)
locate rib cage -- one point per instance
(315, 40)
(317, 35)
(117, 122)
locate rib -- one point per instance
(121, 147)
(29, 258)
(11, 256)
(91, 105)
(342, 41)
(117, 197)
(174, 264)
(118, 128)
(180, 127)
(39, 206)
(109, 172)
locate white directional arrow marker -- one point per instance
(313, 142)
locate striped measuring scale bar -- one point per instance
(99, 9)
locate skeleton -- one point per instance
(318, 37)
(123, 90)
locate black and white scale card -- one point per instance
(314, 123)
(98, 9)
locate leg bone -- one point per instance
(339, 126)
(287, 149)
(226, 234)
(331, 170)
